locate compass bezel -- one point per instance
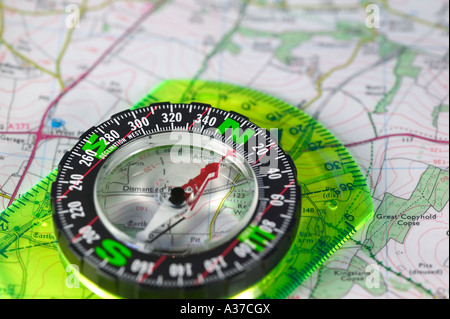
(236, 264)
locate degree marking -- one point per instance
(120, 142)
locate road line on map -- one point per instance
(396, 135)
(39, 135)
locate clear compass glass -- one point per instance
(176, 192)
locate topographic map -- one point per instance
(375, 74)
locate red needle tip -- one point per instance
(198, 184)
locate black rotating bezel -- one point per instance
(111, 265)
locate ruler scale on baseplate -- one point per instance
(335, 198)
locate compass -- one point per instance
(176, 201)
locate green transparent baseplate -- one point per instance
(335, 201)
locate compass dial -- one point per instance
(175, 200)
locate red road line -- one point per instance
(38, 133)
(397, 135)
(43, 136)
(47, 136)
